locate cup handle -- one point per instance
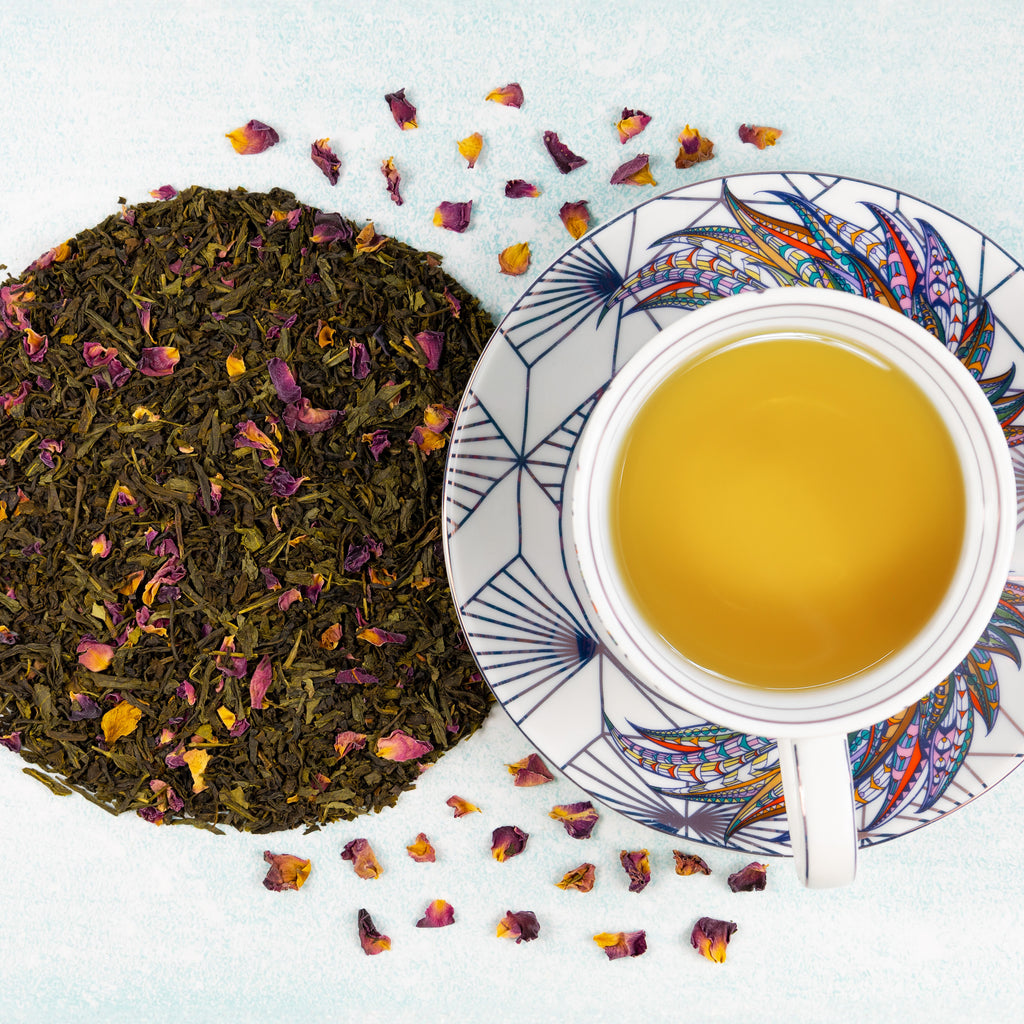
(818, 788)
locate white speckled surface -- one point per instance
(114, 920)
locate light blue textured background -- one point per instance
(114, 920)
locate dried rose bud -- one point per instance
(253, 137)
(259, 682)
(372, 941)
(402, 110)
(517, 188)
(690, 864)
(565, 159)
(348, 740)
(530, 771)
(453, 216)
(364, 860)
(693, 148)
(710, 937)
(521, 925)
(752, 878)
(510, 95)
(575, 217)
(326, 159)
(439, 914)
(634, 172)
(638, 867)
(400, 746)
(579, 819)
(508, 841)
(632, 122)
(393, 180)
(581, 879)
(620, 944)
(286, 871)
(460, 806)
(421, 850)
(758, 135)
(470, 148)
(514, 259)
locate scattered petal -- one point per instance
(282, 484)
(426, 440)
(360, 552)
(400, 746)
(461, 806)
(517, 188)
(421, 851)
(286, 871)
(579, 819)
(259, 682)
(12, 741)
(690, 864)
(379, 637)
(710, 937)
(253, 137)
(364, 861)
(378, 442)
(315, 587)
(510, 95)
(632, 122)
(284, 383)
(437, 416)
(121, 720)
(637, 865)
(368, 240)
(100, 546)
(453, 216)
(326, 159)
(330, 227)
(521, 925)
(301, 415)
(197, 760)
(530, 771)
(620, 944)
(347, 741)
(250, 436)
(235, 364)
(164, 192)
(758, 135)
(331, 637)
(565, 159)
(324, 334)
(288, 598)
(83, 707)
(402, 110)
(693, 148)
(356, 677)
(514, 259)
(634, 172)
(359, 358)
(508, 841)
(228, 663)
(575, 217)
(752, 878)
(439, 914)
(431, 343)
(393, 180)
(470, 148)
(93, 655)
(581, 879)
(35, 345)
(372, 941)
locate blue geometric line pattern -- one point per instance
(549, 461)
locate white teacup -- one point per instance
(810, 723)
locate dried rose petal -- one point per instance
(634, 172)
(355, 676)
(530, 771)
(284, 383)
(693, 148)
(453, 216)
(461, 806)
(620, 944)
(690, 864)
(35, 345)
(364, 860)
(164, 192)
(229, 663)
(359, 359)
(330, 227)
(637, 865)
(83, 707)
(12, 741)
(260, 681)
(521, 925)
(253, 137)
(372, 941)
(235, 364)
(581, 879)
(368, 240)
(393, 180)
(517, 188)
(282, 484)
(579, 819)
(402, 110)
(565, 159)
(514, 259)
(158, 361)
(197, 761)
(250, 436)
(437, 416)
(508, 841)
(426, 440)
(347, 741)
(360, 552)
(758, 135)
(421, 851)
(379, 637)
(710, 937)
(470, 148)
(752, 878)
(121, 720)
(93, 655)
(439, 914)
(510, 95)
(302, 416)
(400, 746)
(575, 217)
(100, 546)
(288, 598)
(632, 122)
(326, 159)
(378, 442)
(286, 871)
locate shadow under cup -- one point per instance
(962, 613)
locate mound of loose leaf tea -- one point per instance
(222, 593)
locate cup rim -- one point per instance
(989, 533)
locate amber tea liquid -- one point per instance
(790, 510)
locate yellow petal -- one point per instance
(226, 716)
(515, 259)
(119, 721)
(197, 760)
(470, 147)
(235, 364)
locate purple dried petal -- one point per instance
(453, 216)
(83, 707)
(638, 867)
(521, 925)
(359, 553)
(752, 878)
(326, 159)
(12, 741)
(352, 676)
(155, 361)
(710, 937)
(634, 172)
(517, 188)
(432, 342)
(359, 354)
(331, 227)
(302, 416)
(393, 180)
(402, 110)
(579, 819)
(378, 442)
(372, 941)
(282, 484)
(272, 582)
(508, 841)
(565, 159)
(284, 383)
